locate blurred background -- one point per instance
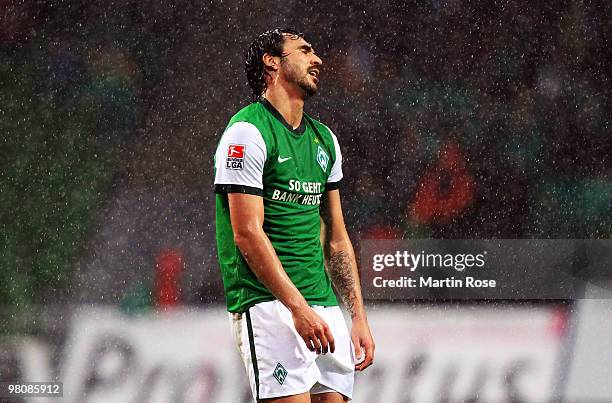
(479, 120)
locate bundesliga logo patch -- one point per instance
(235, 156)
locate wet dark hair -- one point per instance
(270, 42)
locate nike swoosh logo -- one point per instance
(281, 159)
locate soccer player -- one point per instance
(277, 174)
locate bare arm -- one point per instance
(342, 268)
(247, 214)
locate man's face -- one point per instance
(300, 64)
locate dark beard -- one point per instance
(309, 88)
(305, 85)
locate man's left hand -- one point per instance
(364, 344)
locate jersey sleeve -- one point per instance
(239, 160)
(335, 176)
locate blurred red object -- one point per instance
(381, 231)
(446, 189)
(169, 265)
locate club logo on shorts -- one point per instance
(322, 158)
(235, 156)
(280, 373)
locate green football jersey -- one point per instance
(261, 154)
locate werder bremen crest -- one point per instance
(322, 158)
(280, 373)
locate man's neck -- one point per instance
(290, 106)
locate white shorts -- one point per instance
(277, 361)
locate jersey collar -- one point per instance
(298, 130)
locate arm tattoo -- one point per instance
(342, 276)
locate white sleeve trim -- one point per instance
(240, 157)
(336, 171)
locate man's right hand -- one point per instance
(313, 329)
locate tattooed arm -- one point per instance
(342, 268)
(341, 272)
